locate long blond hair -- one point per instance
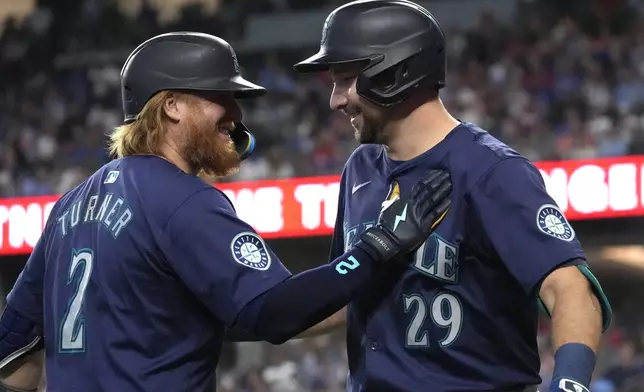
(144, 135)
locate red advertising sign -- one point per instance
(596, 188)
(299, 207)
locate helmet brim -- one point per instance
(323, 60)
(237, 85)
(241, 88)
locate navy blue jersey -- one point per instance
(463, 317)
(135, 277)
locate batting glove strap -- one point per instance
(379, 244)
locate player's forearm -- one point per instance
(577, 326)
(326, 326)
(577, 319)
(576, 314)
(308, 298)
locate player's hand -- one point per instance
(405, 224)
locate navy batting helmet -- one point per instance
(186, 61)
(400, 42)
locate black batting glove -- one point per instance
(404, 225)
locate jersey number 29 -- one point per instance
(445, 311)
(72, 329)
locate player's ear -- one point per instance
(171, 107)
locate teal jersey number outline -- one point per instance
(72, 327)
(445, 309)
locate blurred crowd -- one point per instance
(552, 87)
(312, 365)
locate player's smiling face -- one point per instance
(207, 120)
(368, 120)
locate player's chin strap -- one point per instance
(6, 388)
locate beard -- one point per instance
(207, 151)
(371, 128)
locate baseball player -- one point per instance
(140, 269)
(464, 315)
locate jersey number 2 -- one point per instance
(72, 330)
(445, 310)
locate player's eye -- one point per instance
(342, 78)
(348, 77)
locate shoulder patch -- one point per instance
(248, 249)
(551, 221)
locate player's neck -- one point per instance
(420, 131)
(170, 153)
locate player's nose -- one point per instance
(338, 100)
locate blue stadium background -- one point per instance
(555, 79)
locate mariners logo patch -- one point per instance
(249, 249)
(552, 221)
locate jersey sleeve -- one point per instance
(220, 258)
(26, 296)
(337, 241)
(523, 223)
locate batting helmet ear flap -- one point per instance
(407, 67)
(244, 140)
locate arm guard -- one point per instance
(19, 336)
